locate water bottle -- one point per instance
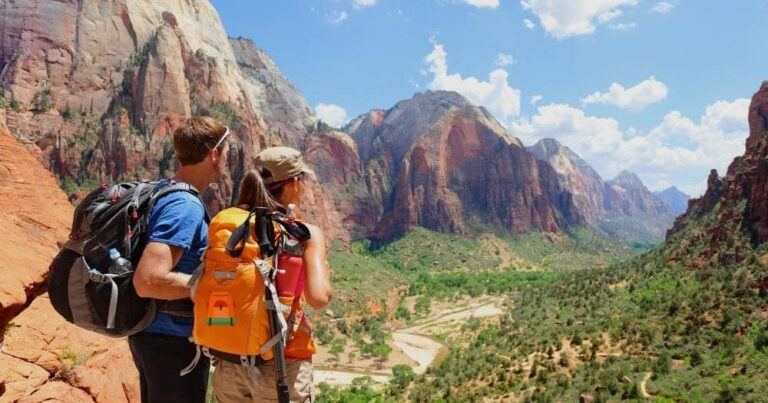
(120, 265)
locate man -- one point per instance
(177, 236)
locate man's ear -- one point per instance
(214, 155)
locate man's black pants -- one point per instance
(159, 358)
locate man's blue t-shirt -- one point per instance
(178, 219)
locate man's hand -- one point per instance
(154, 278)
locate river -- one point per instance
(416, 342)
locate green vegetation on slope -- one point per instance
(641, 233)
(670, 325)
(700, 334)
(442, 264)
(429, 265)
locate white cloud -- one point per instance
(536, 99)
(678, 150)
(496, 94)
(662, 7)
(505, 59)
(694, 189)
(363, 3)
(565, 18)
(483, 3)
(622, 26)
(337, 17)
(636, 97)
(334, 115)
(529, 24)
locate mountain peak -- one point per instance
(429, 108)
(442, 97)
(549, 145)
(628, 180)
(675, 199)
(250, 55)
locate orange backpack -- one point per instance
(230, 305)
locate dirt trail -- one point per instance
(643, 390)
(415, 342)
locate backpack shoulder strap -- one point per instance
(177, 187)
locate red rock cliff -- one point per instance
(43, 357)
(737, 202)
(98, 87)
(438, 162)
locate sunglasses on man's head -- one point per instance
(221, 140)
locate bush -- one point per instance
(67, 113)
(402, 376)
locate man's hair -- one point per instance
(195, 138)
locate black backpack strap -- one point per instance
(239, 237)
(177, 187)
(265, 234)
(131, 214)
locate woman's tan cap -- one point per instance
(280, 163)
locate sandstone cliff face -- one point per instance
(438, 162)
(622, 209)
(98, 87)
(737, 204)
(598, 201)
(281, 105)
(43, 357)
(751, 177)
(335, 159)
(627, 195)
(575, 176)
(34, 215)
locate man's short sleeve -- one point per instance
(175, 220)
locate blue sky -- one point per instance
(683, 69)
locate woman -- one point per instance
(277, 184)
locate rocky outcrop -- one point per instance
(737, 204)
(439, 162)
(335, 159)
(98, 87)
(281, 105)
(750, 178)
(46, 356)
(626, 195)
(674, 198)
(623, 208)
(575, 176)
(42, 356)
(34, 215)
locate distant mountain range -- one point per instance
(99, 105)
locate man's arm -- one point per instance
(171, 230)
(153, 277)
(317, 289)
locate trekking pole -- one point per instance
(278, 351)
(265, 232)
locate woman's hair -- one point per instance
(254, 193)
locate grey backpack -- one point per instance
(84, 286)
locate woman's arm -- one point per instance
(317, 289)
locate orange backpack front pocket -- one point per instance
(230, 315)
(220, 310)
